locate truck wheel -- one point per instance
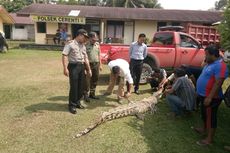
(146, 72)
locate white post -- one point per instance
(102, 29)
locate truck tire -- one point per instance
(149, 64)
(146, 72)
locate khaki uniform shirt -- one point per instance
(76, 52)
(93, 52)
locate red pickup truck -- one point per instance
(169, 49)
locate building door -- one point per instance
(7, 31)
(75, 28)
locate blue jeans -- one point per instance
(175, 103)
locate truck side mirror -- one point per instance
(200, 46)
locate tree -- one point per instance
(132, 3)
(224, 28)
(81, 2)
(14, 5)
(151, 4)
(114, 3)
(219, 5)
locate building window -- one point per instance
(161, 24)
(41, 27)
(115, 29)
(19, 27)
(93, 25)
(176, 24)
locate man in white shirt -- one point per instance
(120, 71)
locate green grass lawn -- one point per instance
(35, 119)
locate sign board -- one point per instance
(58, 19)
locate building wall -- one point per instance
(23, 34)
(128, 32)
(19, 34)
(51, 28)
(146, 27)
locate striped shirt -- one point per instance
(185, 91)
(137, 52)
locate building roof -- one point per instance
(5, 16)
(124, 13)
(21, 19)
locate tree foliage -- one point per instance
(14, 5)
(220, 5)
(115, 3)
(224, 28)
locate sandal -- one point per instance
(198, 130)
(227, 148)
(203, 143)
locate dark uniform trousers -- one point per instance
(91, 82)
(136, 70)
(76, 80)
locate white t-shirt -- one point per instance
(124, 66)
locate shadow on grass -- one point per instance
(58, 98)
(166, 135)
(47, 106)
(103, 101)
(103, 79)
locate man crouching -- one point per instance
(120, 71)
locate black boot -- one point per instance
(92, 96)
(86, 98)
(72, 109)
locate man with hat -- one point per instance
(93, 52)
(75, 55)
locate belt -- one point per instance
(136, 60)
(77, 63)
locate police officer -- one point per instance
(93, 52)
(75, 55)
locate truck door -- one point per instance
(189, 49)
(163, 48)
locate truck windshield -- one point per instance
(163, 39)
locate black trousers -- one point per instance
(76, 81)
(136, 70)
(154, 83)
(58, 39)
(209, 113)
